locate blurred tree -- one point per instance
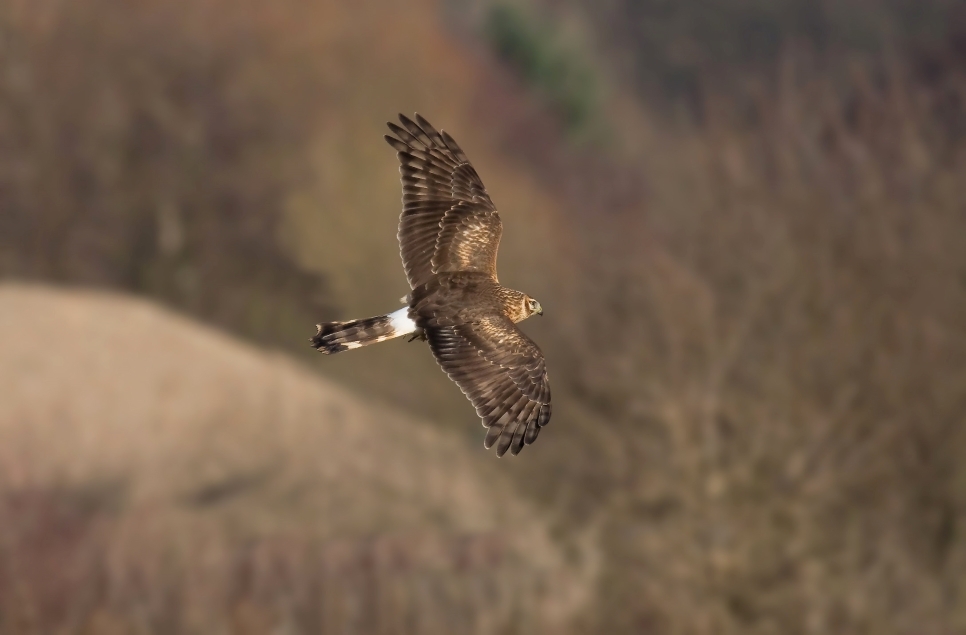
(537, 53)
(674, 49)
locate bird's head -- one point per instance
(531, 306)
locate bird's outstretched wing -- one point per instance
(448, 222)
(503, 374)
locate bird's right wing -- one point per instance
(448, 222)
(503, 374)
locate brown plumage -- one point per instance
(449, 233)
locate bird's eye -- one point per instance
(532, 304)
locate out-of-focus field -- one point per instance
(745, 222)
(158, 475)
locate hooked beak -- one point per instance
(539, 310)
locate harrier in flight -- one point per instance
(449, 232)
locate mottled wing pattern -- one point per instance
(503, 374)
(469, 237)
(448, 221)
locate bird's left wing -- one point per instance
(503, 374)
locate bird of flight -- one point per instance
(449, 233)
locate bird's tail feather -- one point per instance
(335, 337)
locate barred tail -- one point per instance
(335, 337)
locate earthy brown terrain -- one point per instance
(146, 459)
(744, 220)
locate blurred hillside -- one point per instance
(158, 476)
(744, 219)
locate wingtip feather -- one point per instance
(425, 125)
(397, 145)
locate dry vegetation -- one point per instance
(759, 375)
(787, 400)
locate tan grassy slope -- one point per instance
(195, 434)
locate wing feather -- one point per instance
(503, 374)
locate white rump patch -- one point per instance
(400, 322)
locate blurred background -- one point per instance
(745, 219)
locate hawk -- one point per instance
(449, 232)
